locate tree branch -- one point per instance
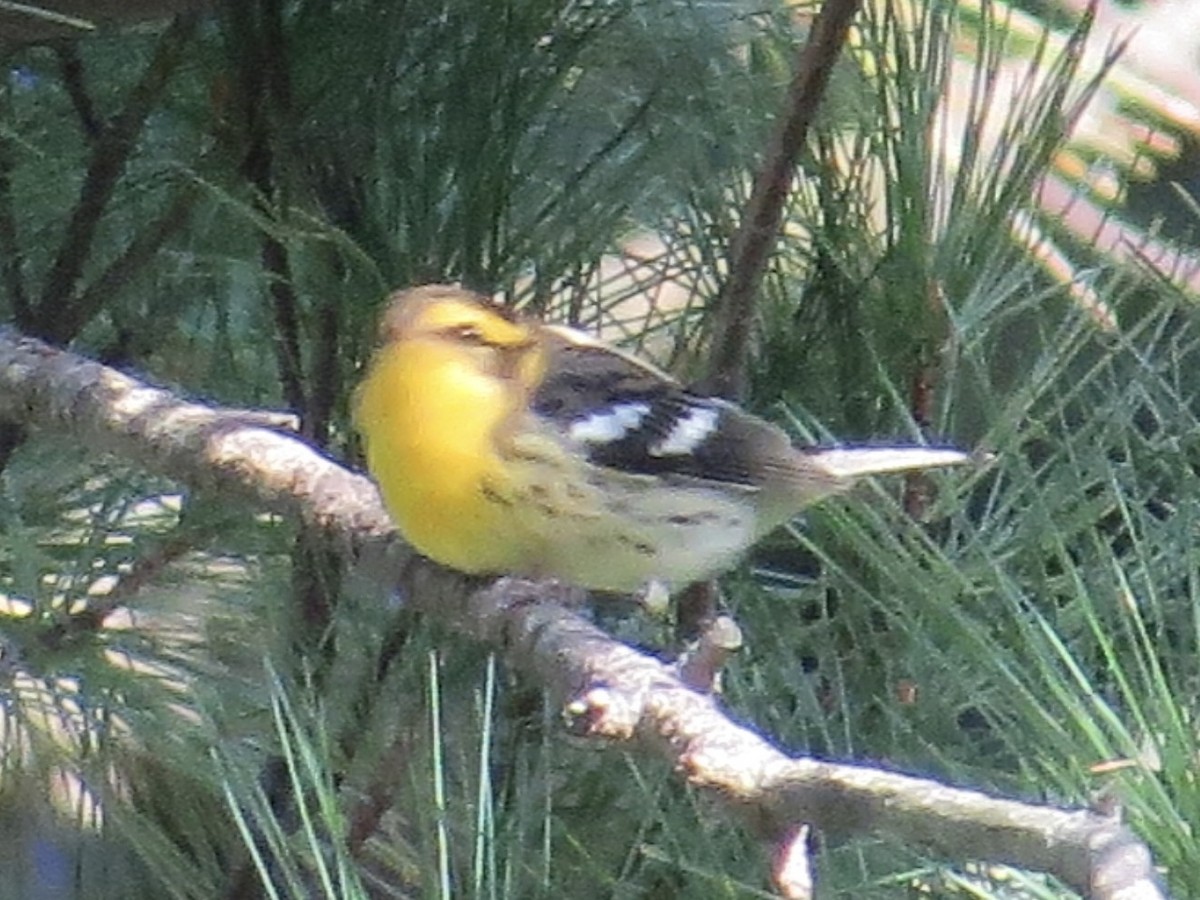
(609, 690)
(258, 54)
(733, 320)
(11, 258)
(140, 251)
(70, 65)
(110, 153)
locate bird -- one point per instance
(505, 445)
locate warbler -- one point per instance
(502, 444)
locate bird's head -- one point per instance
(475, 330)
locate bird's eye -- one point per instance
(468, 334)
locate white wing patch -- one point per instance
(688, 433)
(610, 425)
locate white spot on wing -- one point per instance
(688, 433)
(609, 425)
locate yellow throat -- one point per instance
(433, 419)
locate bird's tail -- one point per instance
(856, 462)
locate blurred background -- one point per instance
(990, 243)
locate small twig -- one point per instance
(12, 436)
(91, 618)
(140, 251)
(264, 100)
(917, 488)
(734, 317)
(11, 257)
(284, 311)
(110, 154)
(317, 570)
(700, 668)
(695, 610)
(326, 371)
(378, 796)
(70, 65)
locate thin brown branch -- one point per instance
(317, 570)
(140, 251)
(695, 610)
(379, 795)
(326, 371)
(700, 668)
(144, 571)
(12, 436)
(11, 257)
(284, 312)
(610, 690)
(258, 54)
(735, 311)
(70, 66)
(110, 155)
(918, 491)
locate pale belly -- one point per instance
(623, 532)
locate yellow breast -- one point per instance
(430, 422)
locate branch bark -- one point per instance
(609, 690)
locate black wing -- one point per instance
(626, 415)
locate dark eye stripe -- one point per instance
(469, 334)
